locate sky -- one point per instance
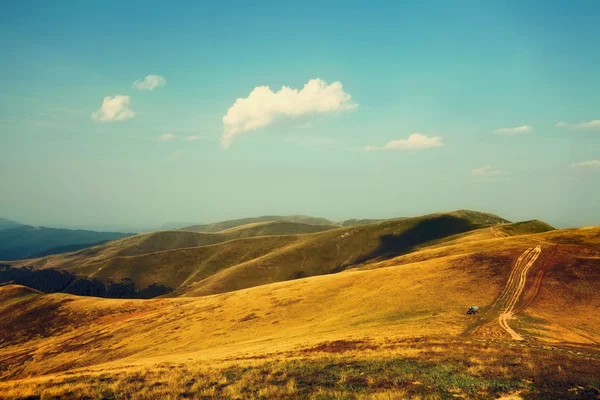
(134, 114)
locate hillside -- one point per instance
(8, 224)
(28, 241)
(195, 264)
(405, 315)
(274, 228)
(223, 225)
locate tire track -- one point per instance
(514, 288)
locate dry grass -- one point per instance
(396, 328)
(425, 368)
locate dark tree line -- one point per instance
(55, 281)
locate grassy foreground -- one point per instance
(415, 368)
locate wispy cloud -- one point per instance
(191, 138)
(519, 130)
(262, 107)
(582, 126)
(165, 137)
(591, 163)
(416, 141)
(150, 82)
(488, 170)
(113, 109)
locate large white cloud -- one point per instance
(519, 130)
(582, 126)
(416, 141)
(263, 106)
(592, 163)
(488, 170)
(150, 82)
(114, 108)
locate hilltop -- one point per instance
(223, 225)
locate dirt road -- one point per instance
(514, 288)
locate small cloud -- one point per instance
(582, 126)
(113, 109)
(150, 82)
(191, 138)
(488, 170)
(263, 107)
(519, 130)
(165, 137)
(416, 141)
(592, 163)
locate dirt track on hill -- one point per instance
(514, 288)
(517, 294)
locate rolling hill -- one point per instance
(223, 225)
(337, 335)
(196, 264)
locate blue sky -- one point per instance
(455, 72)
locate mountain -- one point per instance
(8, 224)
(393, 326)
(29, 241)
(194, 263)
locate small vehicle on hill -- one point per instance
(473, 310)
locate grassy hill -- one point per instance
(206, 263)
(223, 225)
(28, 241)
(394, 328)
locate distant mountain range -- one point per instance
(18, 241)
(8, 224)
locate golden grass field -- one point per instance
(388, 326)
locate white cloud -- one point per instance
(488, 170)
(592, 163)
(150, 82)
(519, 130)
(165, 137)
(191, 138)
(263, 106)
(582, 126)
(416, 141)
(113, 109)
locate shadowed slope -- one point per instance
(333, 251)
